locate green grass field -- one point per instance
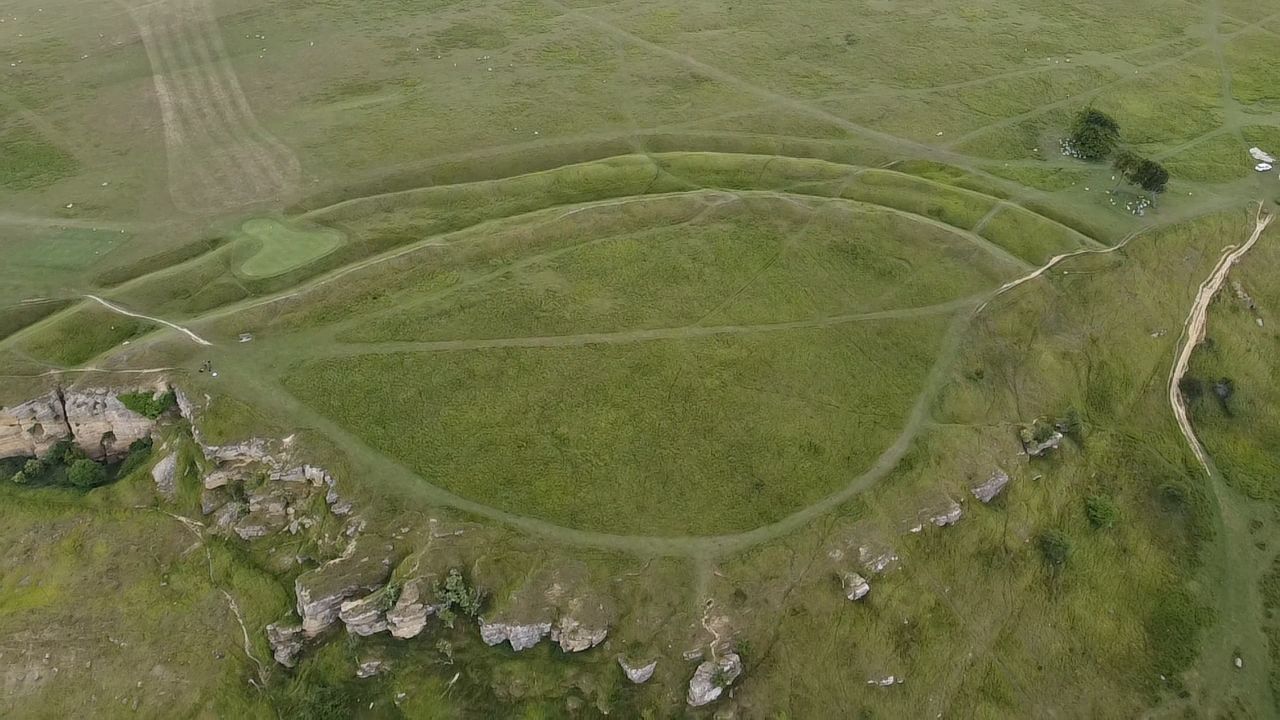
(661, 310)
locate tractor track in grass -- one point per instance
(635, 336)
(219, 155)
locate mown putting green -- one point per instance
(282, 248)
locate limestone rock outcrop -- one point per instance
(575, 636)
(712, 678)
(521, 636)
(365, 616)
(321, 592)
(370, 667)
(949, 515)
(638, 673)
(409, 615)
(101, 425)
(286, 643)
(876, 558)
(856, 587)
(33, 427)
(991, 488)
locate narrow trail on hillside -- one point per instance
(1237, 562)
(117, 309)
(1193, 333)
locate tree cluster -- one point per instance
(1095, 136)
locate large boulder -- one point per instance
(33, 427)
(712, 677)
(102, 426)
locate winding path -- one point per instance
(117, 309)
(1193, 334)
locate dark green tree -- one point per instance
(1146, 174)
(1094, 134)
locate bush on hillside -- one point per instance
(86, 474)
(1055, 547)
(1102, 511)
(147, 404)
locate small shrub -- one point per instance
(34, 468)
(1055, 547)
(1102, 511)
(456, 596)
(19, 478)
(85, 474)
(1070, 424)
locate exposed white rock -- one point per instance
(230, 514)
(165, 474)
(1039, 449)
(712, 677)
(371, 667)
(286, 642)
(33, 427)
(217, 479)
(297, 474)
(638, 673)
(573, 636)
(885, 681)
(521, 637)
(252, 526)
(991, 487)
(364, 617)
(101, 424)
(876, 559)
(856, 587)
(409, 616)
(948, 516)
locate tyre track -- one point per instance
(219, 155)
(637, 336)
